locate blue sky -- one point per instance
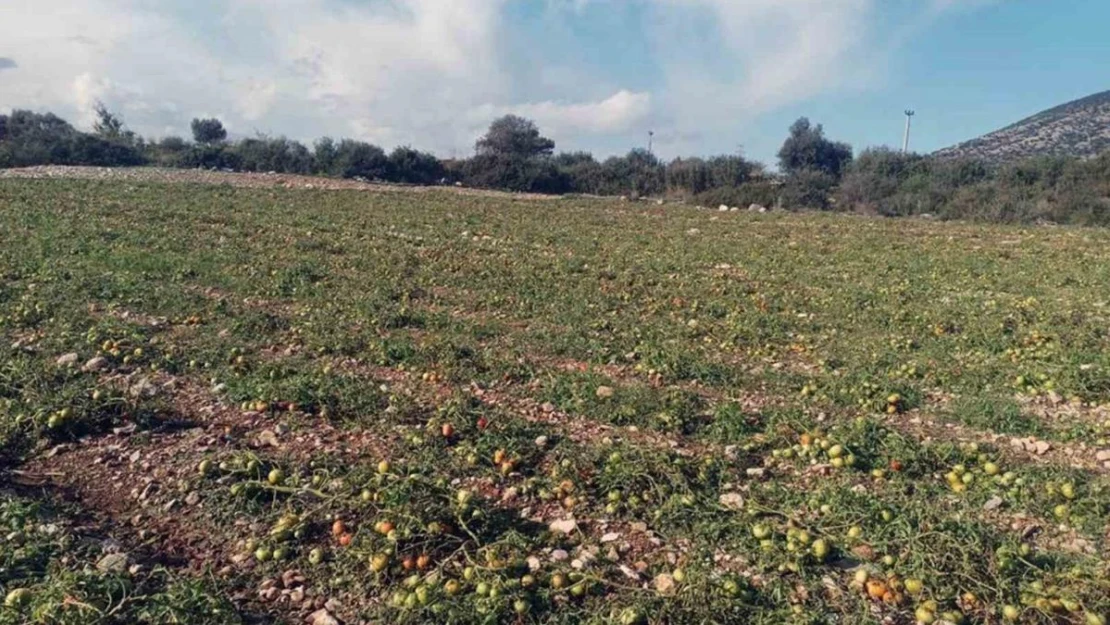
(708, 76)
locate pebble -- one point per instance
(96, 364)
(66, 360)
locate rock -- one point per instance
(756, 208)
(564, 526)
(610, 537)
(733, 501)
(630, 573)
(533, 563)
(734, 209)
(192, 498)
(510, 494)
(67, 360)
(322, 617)
(95, 364)
(559, 555)
(863, 552)
(548, 407)
(658, 202)
(268, 439)
(292, 579)
(113, 563)
(604, 392)
(693, 231)
(755, 472)
(541, 442)
(1103, 455)
(639, 526)
(143, 388)
(993, 503)
(664, 584)
(1041, 447)
(723, 208)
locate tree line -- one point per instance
(815, 172)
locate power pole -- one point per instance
(906, 139)
(651, 137)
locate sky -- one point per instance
(705, 76)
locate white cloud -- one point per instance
(616, 114)
(431, 73)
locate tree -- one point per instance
(107, 125)
(208, 131)
(415, 167)
(807, 149)
(514, 136)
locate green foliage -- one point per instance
(30, 138)
(208, 131)
(516, 137)
(807, 149)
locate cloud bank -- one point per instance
(433, 73)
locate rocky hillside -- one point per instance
(1079, 128)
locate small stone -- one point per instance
(756, 472)
(733, 501)
(610, 537)
(297, 595)
(192, 498)
(564, 526)
(547, 407)
(639, 526)
(509, 494)
(1103, 455)
(577, 564)
(112, 563)
(291, 579)
(323, 617)
(1042, 447)
(993, 503)
(559, 555)
(533, 563)
(143, 388)
(604, 392)
(630, 573)
(268, 439)
(541, 442)
(664, 584)
(67, 360)
(95, 364)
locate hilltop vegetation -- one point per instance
(1077, 129)
(269, 405)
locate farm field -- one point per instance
(270, 405)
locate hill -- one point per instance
(1080, 128)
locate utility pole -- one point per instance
(651, 137)
(906, 139)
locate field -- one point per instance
(242, 405)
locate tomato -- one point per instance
(383, 467)
(345, 539)
(379, 562)
(447, 430)
(338, 528)
(483, 423)
(316, 556)
(423, 561)
(452, 587)
(914, 586)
